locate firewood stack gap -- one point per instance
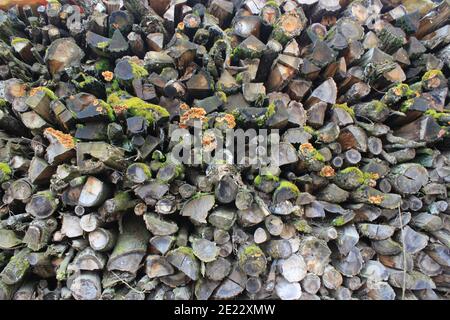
(92, 205)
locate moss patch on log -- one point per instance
(136, 106)
(344, 107)
(6, 172)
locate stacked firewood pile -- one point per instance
(356, 207)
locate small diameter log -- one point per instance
(112, 209)
(261, 236)
(130, 247)
(311, 283)
(42, 204)
(352, 157)
(226, 190)
(408, 178)
(94, 193)
(337, 162)
(140, 209)
(39, 233)
(90, 222)
(289, 25)
(86, 286)
(89, 260)
(374, 145)
(102, 239)
(21, 189)
(138, 173)
(191, 24)
(331, 278)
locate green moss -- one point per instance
(114, 87)
(257, 180)
(436, 114)
(431, 74)
(140, 107)
(246, 53)
(260, 99)
(288, 185)
(279, 35)
(302, 225)
(147, 114)
(270, 110)
(5, 168)
(272, 3)
(109, 110)
(222, 96)
(19, 263)
(158, 155)
(416, 87)
(237, 116)
(187, 251)
(268, 177)
(102, 65)
(103, 45)
(378, 105)
(345, 107)
(339, 221)
(49, 93)
(404, 90)
(239, 77)
(121, 197)
(250, 251)
(406, 105)
(311, 153)
(354, 171)
(137, 106)
(145, 168)
(6, 171)
(309, 129)
(87, 80)
(18, 40)
(199, 195)
(138, 71)
(260, 121)
(318, 156)
(3, 103)
(179, 168)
